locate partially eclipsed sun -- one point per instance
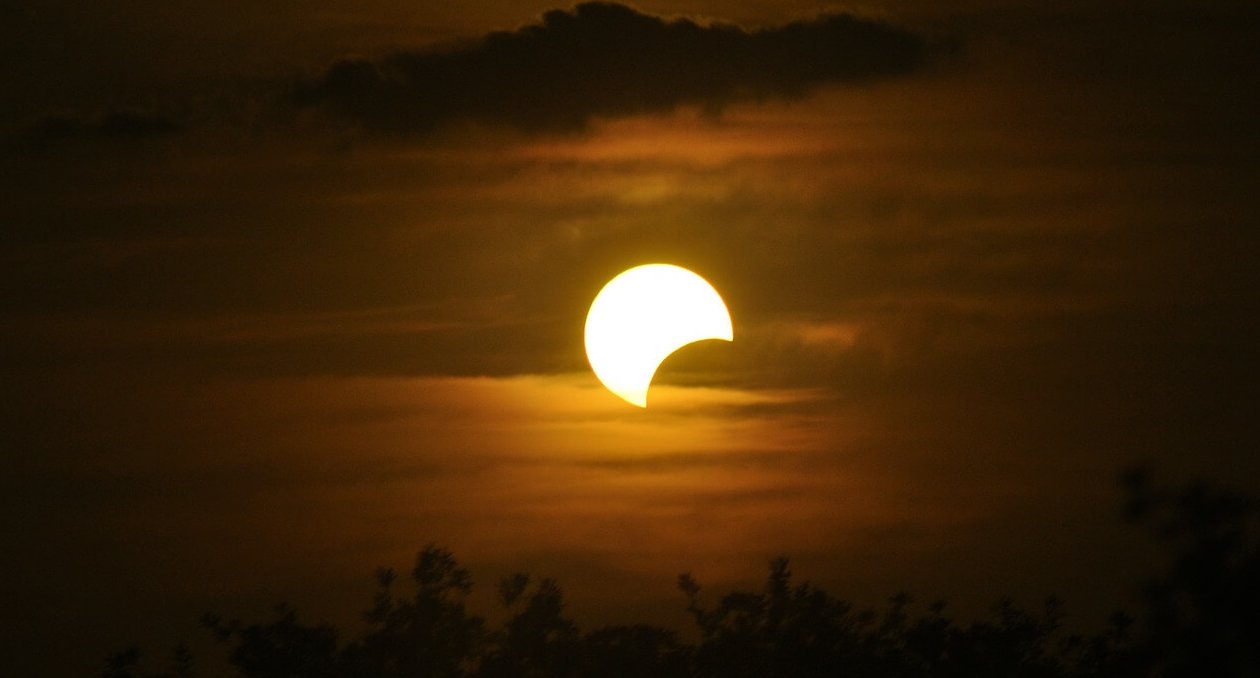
(641, 317)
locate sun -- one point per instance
(641, 317)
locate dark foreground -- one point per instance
(1200, 619)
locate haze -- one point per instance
(289, 293)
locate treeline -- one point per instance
(1200, 619)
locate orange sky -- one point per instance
(251, 360)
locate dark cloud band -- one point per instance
(608, 60)
(115, 126)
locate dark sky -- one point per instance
(289, 292)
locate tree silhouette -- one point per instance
(282, 648)
(430, 634)
(800, 630)
(1199, 620)
(1202, 616)
(426, 635)
(125, 664)
(635, 650)
(537, 640)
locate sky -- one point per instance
(290, 291)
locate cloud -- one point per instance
(117, 129)
(608, 60)
(113, 126)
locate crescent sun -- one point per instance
(644, 315)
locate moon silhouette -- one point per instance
(641, 317)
